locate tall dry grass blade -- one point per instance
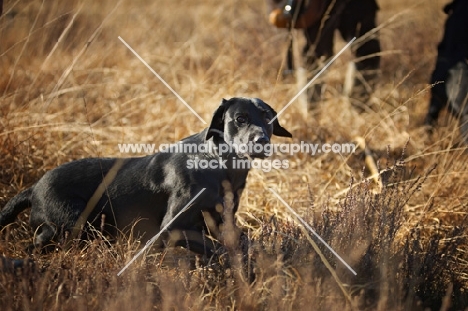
(371, 165)
(60, 39)
(313, 231)
(22, 50)
(78, 56)
(162, 80)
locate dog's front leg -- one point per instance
(189, 229)
(194, 240)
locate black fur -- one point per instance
(151, 189)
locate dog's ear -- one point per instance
(217, 122)
(278, 130)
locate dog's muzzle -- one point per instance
(260, 148)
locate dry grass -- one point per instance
(71, 89)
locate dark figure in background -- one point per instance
(320, 18)
(450, 75)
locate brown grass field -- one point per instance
(71, 89)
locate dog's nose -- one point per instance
(263, 140)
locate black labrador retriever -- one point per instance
(146, 193)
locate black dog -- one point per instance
(155, 188)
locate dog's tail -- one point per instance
(15, 206)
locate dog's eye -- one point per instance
(267, 120)
(241, 119)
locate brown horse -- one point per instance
(320, 18)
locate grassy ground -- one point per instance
(71, 89)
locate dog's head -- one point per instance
(244, 123)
